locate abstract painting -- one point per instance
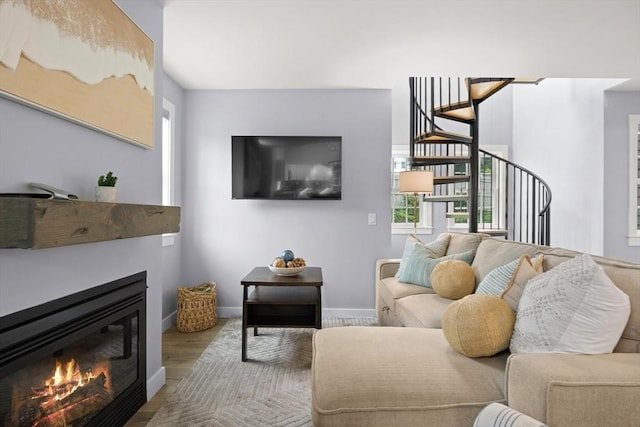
(84, 61)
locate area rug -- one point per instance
(272, 388)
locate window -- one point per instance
(491, 178)
(405, 208)
(168, 142)
(633, 238)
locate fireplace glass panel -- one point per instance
(72, 385)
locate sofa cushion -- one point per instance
(400, 377)
(421, 264)
(434, 249)
(573, 308)
(478, 325)
(387, 292)
(393, 287)
(421, 311)
(453, 279)
(499, 415)
(463, 242)
(493, 252)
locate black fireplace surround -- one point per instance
(99, 334)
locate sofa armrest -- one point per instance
(386, 268)
(575, 389)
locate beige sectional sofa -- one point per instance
(407, 374)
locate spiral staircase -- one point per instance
(485, 192)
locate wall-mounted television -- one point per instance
(286, 167)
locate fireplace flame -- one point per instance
(64, 381)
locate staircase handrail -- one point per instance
(547, 206)
(424, 113)
(540, 234)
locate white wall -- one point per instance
(35, 146)
(558, 133)
(223, 239)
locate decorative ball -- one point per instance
(287, 255)
(279, 262)
(453, 279)
(479, 325)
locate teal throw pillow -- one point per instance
(497, 279)
(421, 264)
(495, 282)
(436, 249)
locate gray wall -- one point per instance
(618, 107)
(223, 239)
(35, 146)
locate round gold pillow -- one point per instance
(479, 325)
(453, 279)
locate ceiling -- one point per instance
(277, 44)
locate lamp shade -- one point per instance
(419, 181)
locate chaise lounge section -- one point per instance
(409, 374)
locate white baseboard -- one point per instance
(169, 321)
(155, 383)
(229, 312)
(328, 312)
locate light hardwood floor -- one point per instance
(179, 352)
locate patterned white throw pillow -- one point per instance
(572, 308)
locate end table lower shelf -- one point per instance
(281, 301)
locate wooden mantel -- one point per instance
(46, 223)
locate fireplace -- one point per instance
(77, 361)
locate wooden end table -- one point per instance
(280, 301)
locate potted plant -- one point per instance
(106, 189)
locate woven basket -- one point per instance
(197, 307)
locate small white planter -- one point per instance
(106, 194)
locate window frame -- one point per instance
(633, 231)
(168, 161)
(425, 209)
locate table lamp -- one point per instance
(415, 182)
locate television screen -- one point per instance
(286, 167)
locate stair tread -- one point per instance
(439, 137)
(491, 231)
(528, 80)
(457, 215)
(447, 198)
(483, 88)
(461, 111)
(438, 160)
(444, 159)
(450, 179)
